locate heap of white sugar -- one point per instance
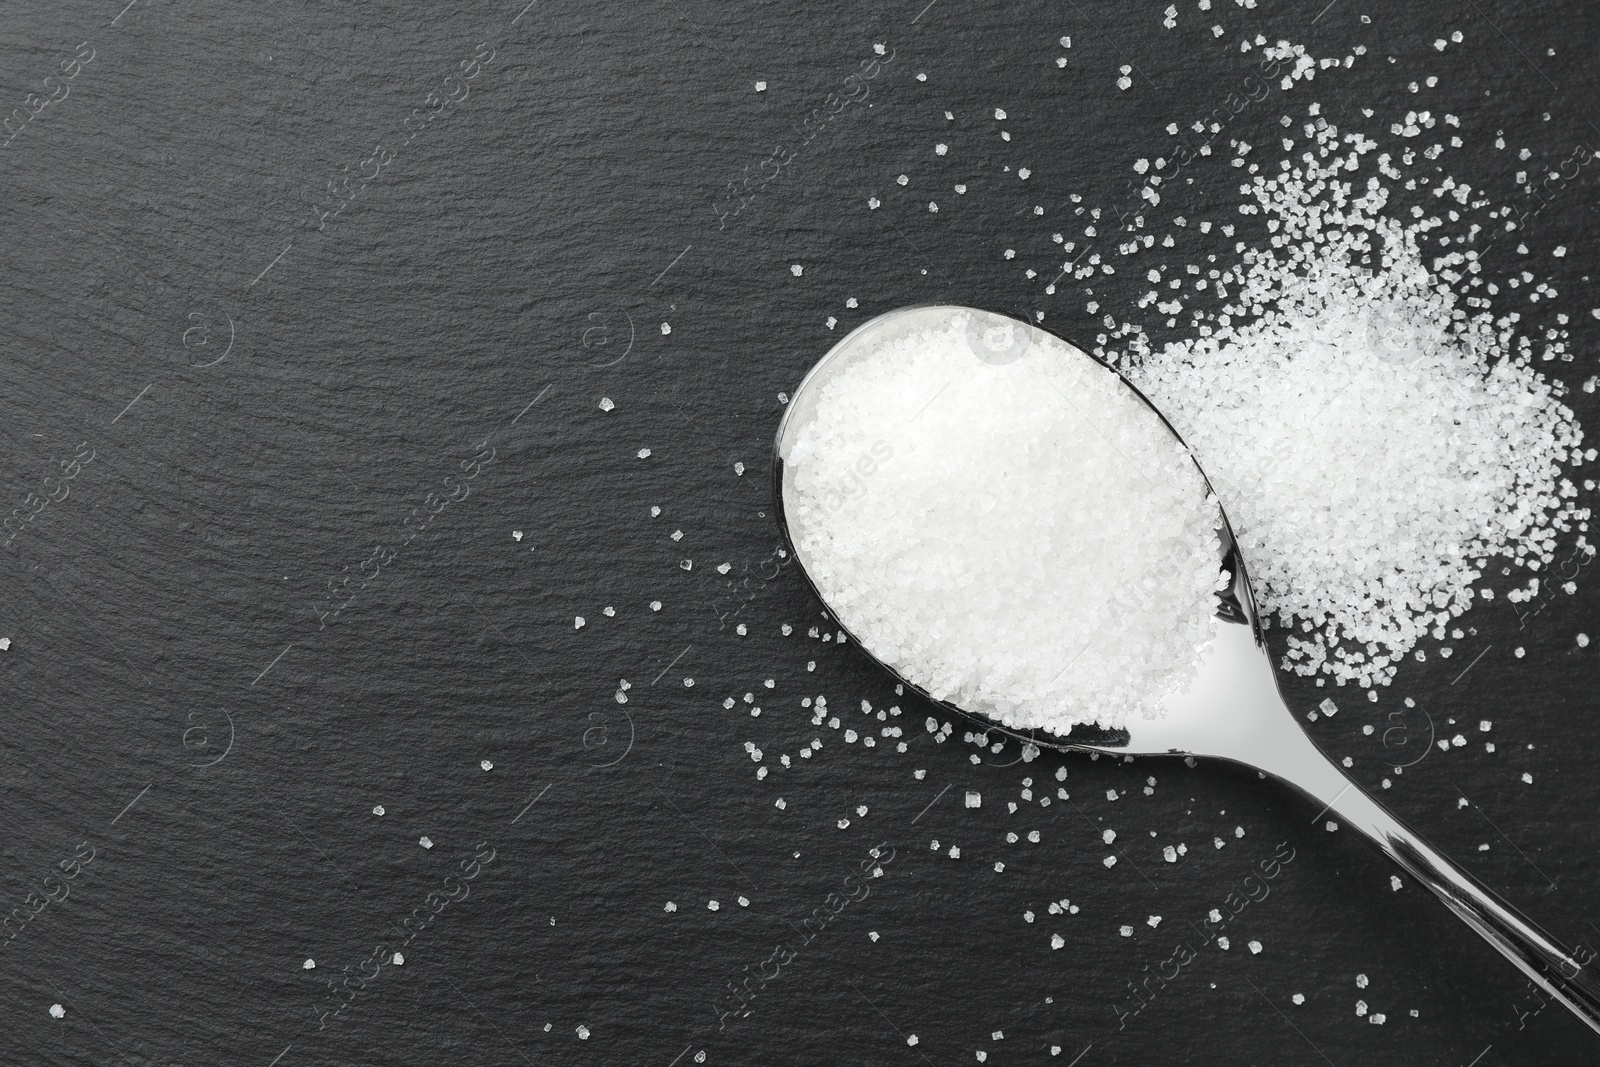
(1374, 443)
(1020, 537)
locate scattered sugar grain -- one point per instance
(1383, 438)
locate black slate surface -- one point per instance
(191, 751)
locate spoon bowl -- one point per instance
(1231, 709)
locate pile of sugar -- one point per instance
(1374, 443)
(1022, 539)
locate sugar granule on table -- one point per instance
(1373, 441)
(1018, 536)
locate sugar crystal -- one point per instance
(970, 493)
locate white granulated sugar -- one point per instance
(1374, 439)
(960, 514)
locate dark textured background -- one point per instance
(293, 409)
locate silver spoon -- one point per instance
(1233, 710)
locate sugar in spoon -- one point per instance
(1233, 709)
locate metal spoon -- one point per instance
(1233, 710)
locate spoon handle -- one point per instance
(1566, 975)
